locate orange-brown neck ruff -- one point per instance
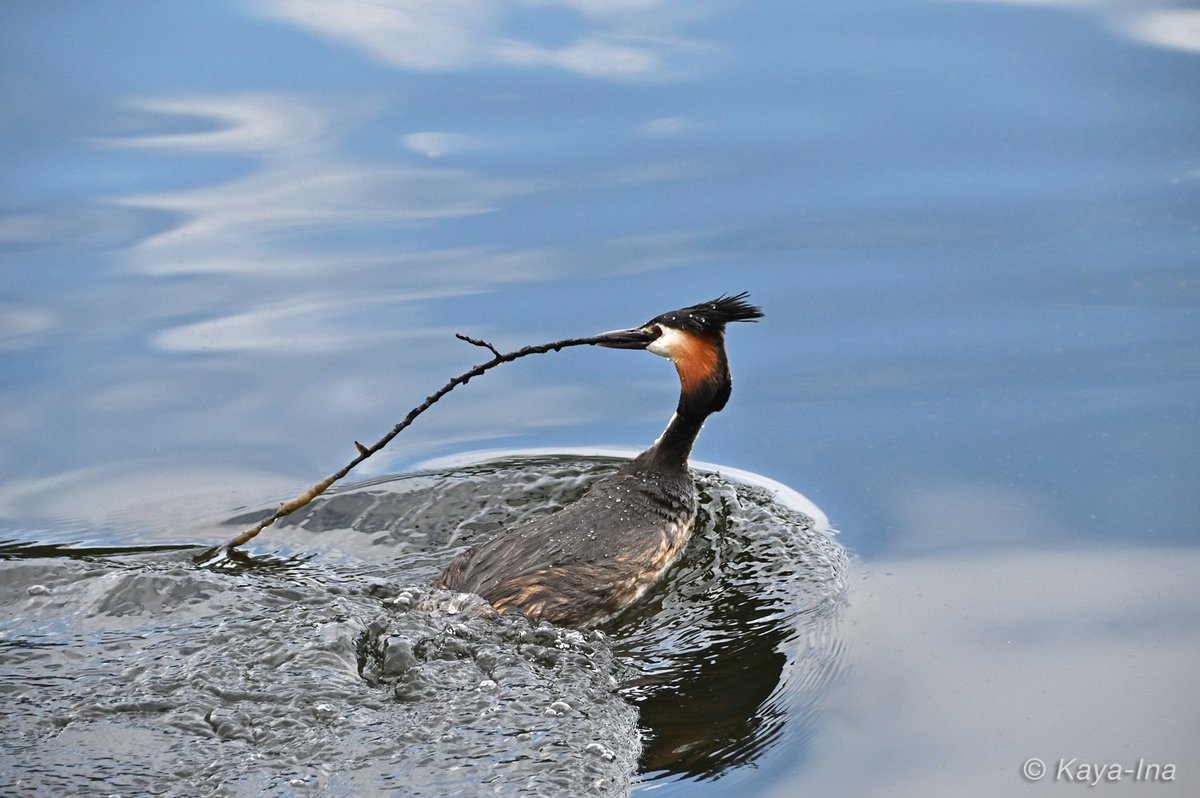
(695, 358)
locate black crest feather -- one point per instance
(711, 316)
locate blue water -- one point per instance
(237, 237)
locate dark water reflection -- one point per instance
(262, 674)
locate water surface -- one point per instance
(236, 237)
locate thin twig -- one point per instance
(366, 451)
(478, 342)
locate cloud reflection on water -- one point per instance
(1172, 28)
(164, 500)
(298, 325)
(73, 226)
(973, 644)
(631, 40)
(1158, 23)
(296, 187)
(959, 667)
(23, 326)
(300, 260)
(267, 125)
(435, 144)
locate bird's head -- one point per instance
(693, 338)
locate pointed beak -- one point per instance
(625, 339)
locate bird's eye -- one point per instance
(657, 330)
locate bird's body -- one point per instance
(598, 555)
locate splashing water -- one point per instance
(336, 669)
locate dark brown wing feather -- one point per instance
(587, 560)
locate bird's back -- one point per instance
(590, 559)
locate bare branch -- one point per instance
(478, 342)
(366, 451)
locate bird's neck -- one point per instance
(697, 401)
(671, 451)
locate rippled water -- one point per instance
(345, 673)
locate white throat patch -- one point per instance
(670, 344)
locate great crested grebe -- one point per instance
(596, 556)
